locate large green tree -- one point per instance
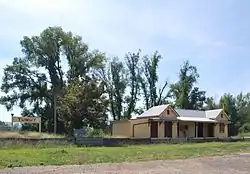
(133, 75)
(152, 95)
(83, 104)
(115, 83)
(228, 102)
(238, 110)
(185, 94)
(33, 80)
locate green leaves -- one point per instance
(31, 79)
(83, 104)
(20, 82)
(125, 81)
(132, 66)
(238, 110)
(185, 94)
(115, 82)
(149, 81)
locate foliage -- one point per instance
(115, 83)
(132, 62)
(148, 81)
(89, 111)
(238, 110)
(185, 94)
(211, 104)
(96, 133)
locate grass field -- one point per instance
(18, 156)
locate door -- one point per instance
(154, 129)
(200, 129)
(210, 130)
(168, 129)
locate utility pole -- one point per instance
(54, 110)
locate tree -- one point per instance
(228, 103)
(211, 104)
(152, 96)
(132, 62)
(115, 83)
(23, 82)
(243, 107)
(240, 118)
(37, 79)
(83, 104)
(82, 62)
(184, 93)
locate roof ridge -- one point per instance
(188, 109)
(214, 109)
(154, 111)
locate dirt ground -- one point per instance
(236, 164)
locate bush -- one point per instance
(96, 133)
(245, 128)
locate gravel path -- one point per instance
(236, 164)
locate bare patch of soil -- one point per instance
(235, 164)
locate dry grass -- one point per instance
(4, 134)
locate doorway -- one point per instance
(154, 129)
(200, 129)
(168, 129)
(210, 131)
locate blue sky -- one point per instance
(213, 35)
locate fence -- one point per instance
(129, 141)
(110, 141)
(84, 141)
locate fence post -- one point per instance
(40, 125)
(12, 125)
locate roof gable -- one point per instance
(212, 114)
(154, 111)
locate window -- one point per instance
(221, 115)
(168, 112)
(222, 128)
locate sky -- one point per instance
(213, 35)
